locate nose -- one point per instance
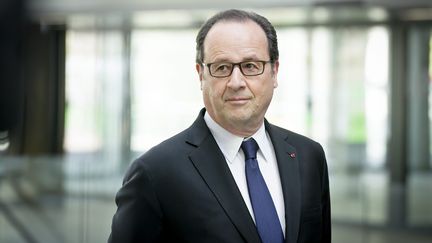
(236, 80)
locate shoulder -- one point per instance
(167, 157)
(170, 149)
(308, 150)
(310, 154)
(293, 138)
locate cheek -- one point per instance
(263, 89)
(216, 90)
(212, 92)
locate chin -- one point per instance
(239, 117)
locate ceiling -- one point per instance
(115, 12)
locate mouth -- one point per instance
(237, 100)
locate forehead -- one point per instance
(235, 41)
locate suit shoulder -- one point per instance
(295, 138)
(169, 147)
(311, 151)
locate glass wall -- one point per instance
(129, 88)
(333, 87)
(165, 86)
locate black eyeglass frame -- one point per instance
(240, 67)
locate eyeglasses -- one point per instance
(225, 69)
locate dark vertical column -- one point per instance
(418, 84)
(409, 142)
(40, 128)
(397, 152)
(12, 18)
(58, 79)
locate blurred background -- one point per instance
(87, 86)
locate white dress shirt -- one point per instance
(230, 145)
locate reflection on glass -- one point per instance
(94, 75)
(376, 95)
(321, 70)
(289, 107)
(81, 133)
(333, 87)
(165, 86)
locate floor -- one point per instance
(365, 207)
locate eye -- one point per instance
(250, 66)
(221, 67)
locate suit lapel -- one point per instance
(290, 180)
(210, 163)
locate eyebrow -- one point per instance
(245, 59)
(251, 58)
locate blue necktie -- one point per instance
(266, 218)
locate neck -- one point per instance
(239, 127)
(244, 129)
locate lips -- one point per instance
(237, 100)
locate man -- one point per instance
(231, 176)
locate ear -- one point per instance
(200, 71)
(275, 73)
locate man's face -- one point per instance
(238, 103)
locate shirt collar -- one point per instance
(264, 142)
(230, 144)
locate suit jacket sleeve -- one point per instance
(326, 212)
(137, 206)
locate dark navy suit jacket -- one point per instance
(183, 191)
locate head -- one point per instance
(237, 102)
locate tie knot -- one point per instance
(250, 148)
